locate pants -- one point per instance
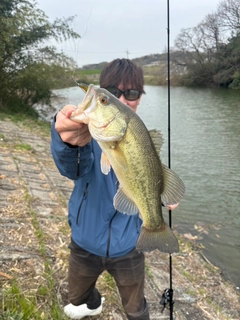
(128, 272)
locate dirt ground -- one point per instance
(34, 236)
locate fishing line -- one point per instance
(86, 29)
(89, 16)
(167, 296)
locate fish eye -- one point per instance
(104, 100)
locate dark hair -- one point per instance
(122, 71)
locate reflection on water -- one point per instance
(205, 152)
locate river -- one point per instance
(205, 152)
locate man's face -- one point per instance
(131, 104)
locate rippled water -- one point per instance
(205, 152)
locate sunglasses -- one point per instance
(129, 94)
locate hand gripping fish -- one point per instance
(133, 153)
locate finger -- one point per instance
(68, 110)
(76, 139)
(172, 206)
(64, 124)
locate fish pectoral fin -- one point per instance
(123, 204)
(173, 187)
(105, 164)
(119, 158)
(116, 153)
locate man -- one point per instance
(102, 238)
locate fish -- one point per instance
(132, 151)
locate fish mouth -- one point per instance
(85, 107)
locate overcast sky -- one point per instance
(111, 29)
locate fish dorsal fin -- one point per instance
(157, 139)
(105, 164)
(123, 204)
(173, 187)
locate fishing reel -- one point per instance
(166, 299)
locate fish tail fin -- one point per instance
(162, 239)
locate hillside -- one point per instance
(148, 60)
(154, 69)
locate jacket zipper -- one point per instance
(109, 233)
(78, 162)
(110, 224)
(83, 198)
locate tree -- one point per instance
(229, 14)
(211, 49)
(228, 68)
(26, 64)
(199, 45)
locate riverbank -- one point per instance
(34, 238)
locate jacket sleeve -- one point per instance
(66, 157)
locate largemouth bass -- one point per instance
(133, 153)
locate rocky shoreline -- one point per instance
(34, 238)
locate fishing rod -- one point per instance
(167, 296)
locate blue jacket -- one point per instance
(95, 224)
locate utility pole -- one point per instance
(127, 52)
